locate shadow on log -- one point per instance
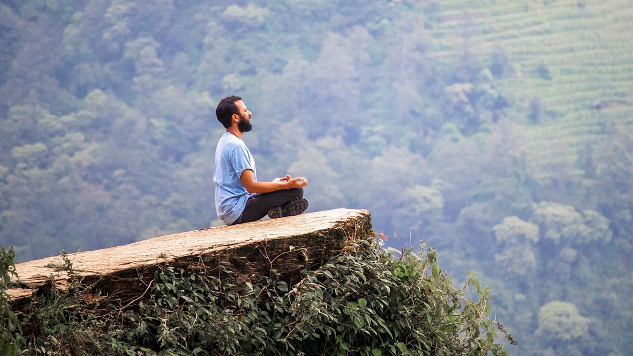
(287, 245)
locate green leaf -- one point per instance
(436, 271)
(381, 322)
(402, 347)
(376, 352)
(282, 286)
(362, 302)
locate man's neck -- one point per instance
(235, 131)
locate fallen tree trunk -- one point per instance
(287, 245)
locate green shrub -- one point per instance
(11, 340)
(368, 301)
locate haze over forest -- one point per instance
(499, 131)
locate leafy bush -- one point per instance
(11, 340)
(364, 302)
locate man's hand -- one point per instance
(297, 182)
(286, 182)
(281, 180)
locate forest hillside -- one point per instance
(499, 131)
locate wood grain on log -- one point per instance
(287, 245)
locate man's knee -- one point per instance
(297, 192)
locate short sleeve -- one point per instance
(241, 160)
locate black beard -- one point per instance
(243, 125)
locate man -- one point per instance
(239, 197)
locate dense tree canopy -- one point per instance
(498, 131)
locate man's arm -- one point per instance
(253, 186)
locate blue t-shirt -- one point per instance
(232, 157)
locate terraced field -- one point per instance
(575, 56)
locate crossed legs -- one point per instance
(258, 205)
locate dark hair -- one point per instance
(225, 110)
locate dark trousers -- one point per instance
(258, 205)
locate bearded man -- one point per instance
(239, 197)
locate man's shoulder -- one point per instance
(229, 140)
(229, 144)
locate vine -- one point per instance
(368, 301)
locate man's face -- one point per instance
(244, 125)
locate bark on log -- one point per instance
(286, 244)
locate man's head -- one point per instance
(232, 109)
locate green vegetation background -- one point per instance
(500, 131)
